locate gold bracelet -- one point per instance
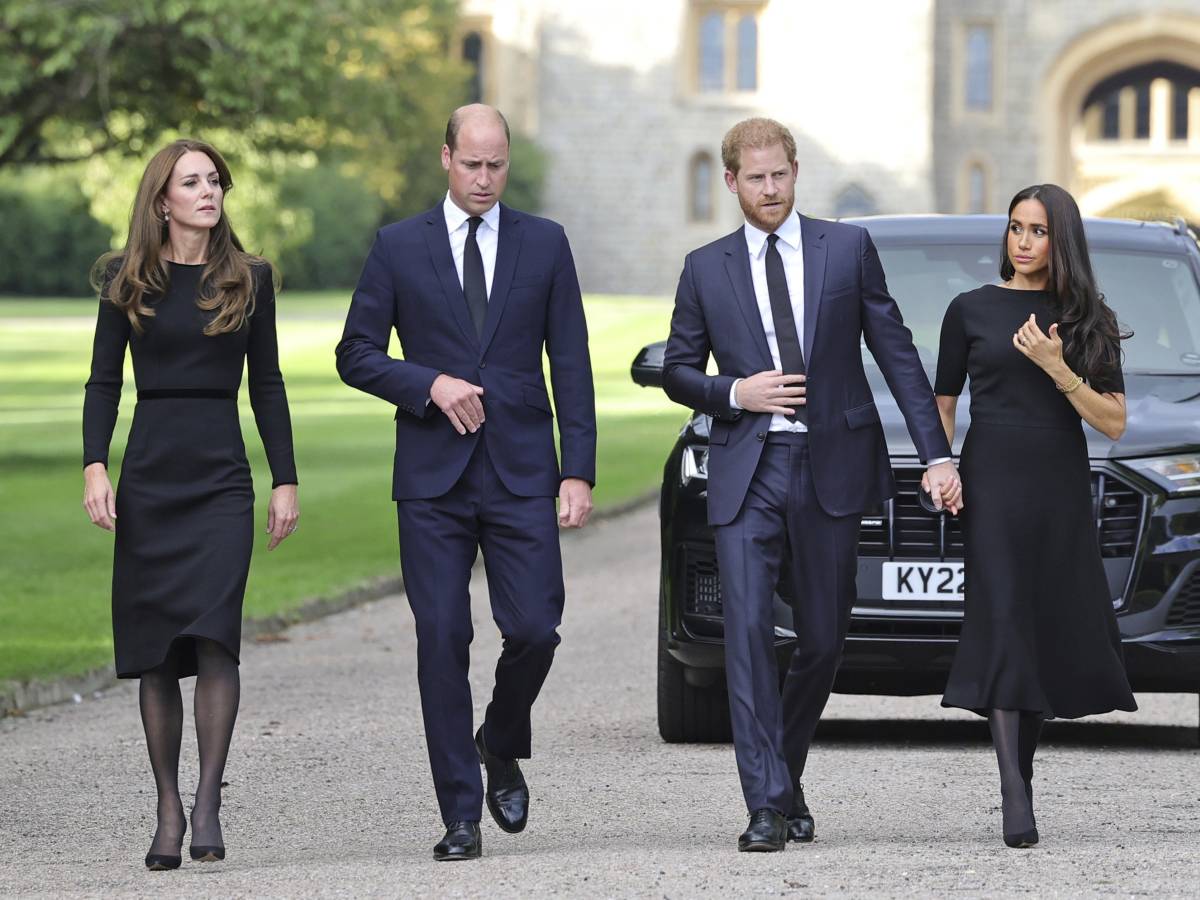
(1074, 385)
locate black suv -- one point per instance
(1146, 487)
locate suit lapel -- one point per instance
(508, 249)
(438, 241)
(737, 264)
(812, 238)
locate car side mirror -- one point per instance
(647, 368)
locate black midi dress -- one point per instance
(1039, 633)
(185, 499)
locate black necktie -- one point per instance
(474, 283)
(791, 354)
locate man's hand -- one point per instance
(944, 486)
(459, 400)
(772, 392)
(574, 503)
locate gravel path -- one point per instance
(329, 791)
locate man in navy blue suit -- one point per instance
(475, 291)
(796, 449)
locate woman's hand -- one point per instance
(98, 497)
(1045, 350)
(282, 514)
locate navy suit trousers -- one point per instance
(439, 538)
(781, 528)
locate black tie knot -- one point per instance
(476, 221)
(772, 239)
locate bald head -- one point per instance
(474, 115)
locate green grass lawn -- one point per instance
(55, 567)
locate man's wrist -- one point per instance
(938, 461)
(733, 401)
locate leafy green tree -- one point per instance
(364, 78)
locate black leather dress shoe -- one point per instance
(507, 794)
(767, 832)
(462, 841)
(801, 826)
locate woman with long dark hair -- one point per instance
(192, 307)
(1042, 351)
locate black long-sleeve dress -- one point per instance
(1039, 634)
(185, 500)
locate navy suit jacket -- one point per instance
(409, 283)
(845, 301)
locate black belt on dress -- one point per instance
(187, 394)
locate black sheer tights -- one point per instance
(218, 689)
(1015, 736)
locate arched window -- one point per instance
(700, 188)
(747, 60)
(472, 54)
(853, 200)
(712, 52)
(977, 189)
(1144, 103)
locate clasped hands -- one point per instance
(944, 486)
(460, 401)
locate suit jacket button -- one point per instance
(762, 435)
(483, 365)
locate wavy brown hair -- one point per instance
(127, 278)
(1091, 332)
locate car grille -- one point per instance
(903, 529)
(1186, 608)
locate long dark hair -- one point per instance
(129, 276)
(1091, 336)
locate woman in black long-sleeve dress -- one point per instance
(193, 308)
(1042, 350)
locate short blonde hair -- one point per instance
(756, 133)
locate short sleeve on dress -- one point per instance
(952, 353)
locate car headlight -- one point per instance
(1176, 474)
(694, 464)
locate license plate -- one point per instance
(923, 581)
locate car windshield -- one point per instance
(1153, 294)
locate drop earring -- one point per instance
(166, 216)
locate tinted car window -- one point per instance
(1154, 295)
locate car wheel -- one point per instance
(688, 714)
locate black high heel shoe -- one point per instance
(1019, 840)
(164, 862)
(206, 852)
(1022, 839)
(201, 853)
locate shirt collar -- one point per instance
(455, 217)
(789, 233)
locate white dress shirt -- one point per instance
(790, 251)
(487, 236)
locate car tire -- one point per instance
(688, 714)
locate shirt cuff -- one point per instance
(733, 404)
(939, 460)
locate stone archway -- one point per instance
(1109, 180)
